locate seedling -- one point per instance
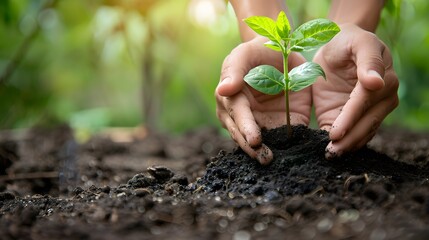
(310, 35)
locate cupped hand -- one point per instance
(360, 91)
(243, 111)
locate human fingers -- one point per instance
(232, 73)
(242, 127)
(241, 60)
(360, 101)
(372, 61)
(364, 129)
(238, 108)
(372, 57)
(329, 99)
(329, 95)
(261, 153)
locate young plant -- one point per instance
(310, 35)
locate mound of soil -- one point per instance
(134, 185)
(299, 167)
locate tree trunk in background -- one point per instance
(152, 84)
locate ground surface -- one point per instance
(135, 185)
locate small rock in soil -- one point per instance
(141, 192)
(105, 189)
(272, 196)
(160, 173)
(77, 191)
(140, 181)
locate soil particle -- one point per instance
(105, 189)
(141, 192)
(160, 173)
(77, 191)
(272, 196)
(140, 181)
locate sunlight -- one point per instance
(205, 13)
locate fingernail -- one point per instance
(264, 155)
(255, 141)
(331, 152)
(226, 80)
(329, 155)
(374, 73)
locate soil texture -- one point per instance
(131, 184)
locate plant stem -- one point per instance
(286, 76)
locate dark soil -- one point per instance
(134, 185)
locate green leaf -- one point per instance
(312, 34)
(304, 75)
(283, 25)
(266, 79)
(273, 45)
(264, 26)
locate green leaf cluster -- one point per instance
(310, 35)
(306, 37)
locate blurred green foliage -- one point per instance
(405, 30)
(103, 63)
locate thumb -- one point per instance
(227, 87)
(371, 79)
(239, 62)
(234, 68)
(370, 64)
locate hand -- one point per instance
(360, 91)
(243, 111)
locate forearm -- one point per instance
(247, 8)
(364, 13)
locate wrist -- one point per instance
(247, 8)
(364, 14)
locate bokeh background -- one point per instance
(123, 63)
